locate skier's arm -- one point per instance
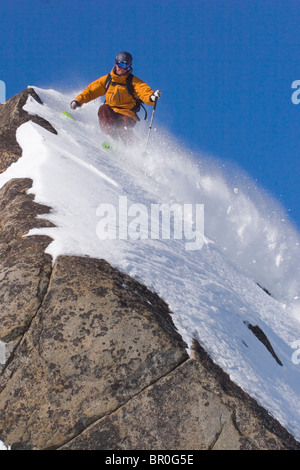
(93, 91)
(143, 91)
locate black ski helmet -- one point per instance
(124, 57)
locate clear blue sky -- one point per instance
(225, 68)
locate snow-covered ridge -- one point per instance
(212, 292)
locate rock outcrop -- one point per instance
(12, 115)
(92, 359)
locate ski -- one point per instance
(113, 149)
(65, 113)
(107, 146)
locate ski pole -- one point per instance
(150, 127)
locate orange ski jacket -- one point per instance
(117, 95)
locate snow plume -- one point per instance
(245, 222)
(212, 292)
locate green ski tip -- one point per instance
(107, 146)
(68, 115)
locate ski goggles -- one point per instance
(123, 65)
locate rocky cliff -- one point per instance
(91, 358)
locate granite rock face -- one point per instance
(195, 406)
(91, 359)
(24, 266)
(97, 340)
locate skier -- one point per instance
(124, 95)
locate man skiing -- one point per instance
(124, 93)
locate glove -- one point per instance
(156, 95)
(75, 104)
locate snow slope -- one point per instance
(211, 291)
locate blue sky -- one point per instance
(225, 68)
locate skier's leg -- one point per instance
(108, 120)
(126, 129)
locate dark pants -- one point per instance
(115, 124)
